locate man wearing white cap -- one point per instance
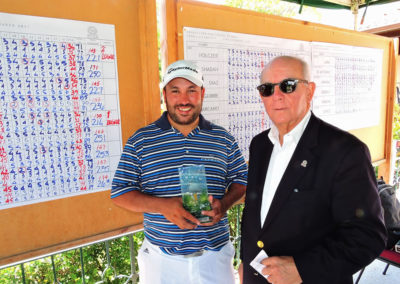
(178, 248)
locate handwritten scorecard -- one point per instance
(60, 132)
(348, 79)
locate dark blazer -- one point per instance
(326, 212)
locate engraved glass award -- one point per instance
(194, 191)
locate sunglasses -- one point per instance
(287, 86)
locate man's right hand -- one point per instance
(171, 208)
(174, 212)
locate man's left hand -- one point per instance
(281, 270)
(217, 212)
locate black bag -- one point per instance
(391, 208)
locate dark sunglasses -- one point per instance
(287, 86)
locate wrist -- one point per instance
(224, 206)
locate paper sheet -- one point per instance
(256, 262)
(60, 125)
(348, 79)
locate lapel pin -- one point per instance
(304, 164)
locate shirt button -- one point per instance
(187, 151)
(255, 274)
(295, 190)
(260, 244)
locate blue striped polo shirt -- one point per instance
(149, 163)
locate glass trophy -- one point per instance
(194, 191)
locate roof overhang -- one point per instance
(388, 31)
(340, 4)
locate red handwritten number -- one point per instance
(78, 125)
(5, 175)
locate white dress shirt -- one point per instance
(280, 157)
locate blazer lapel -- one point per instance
(299, 163)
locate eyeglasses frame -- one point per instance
(279, 84)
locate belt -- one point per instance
(195, 254)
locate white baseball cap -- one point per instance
(183, 69)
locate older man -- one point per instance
(178, 248)
(311, 203)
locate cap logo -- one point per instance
(184, 67)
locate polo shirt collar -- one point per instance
(163, 122)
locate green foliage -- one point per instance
(234, 219)
(273, 7)
(276, 7)
(396, 122)
(68, 265)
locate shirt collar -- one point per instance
(294, 135)
(163, 122)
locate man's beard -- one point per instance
(177, 119)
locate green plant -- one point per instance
(234, 219)
(396, 122)
(68, 265)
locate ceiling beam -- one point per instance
(388, 31)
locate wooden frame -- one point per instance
(187, 13)
(43, 228)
